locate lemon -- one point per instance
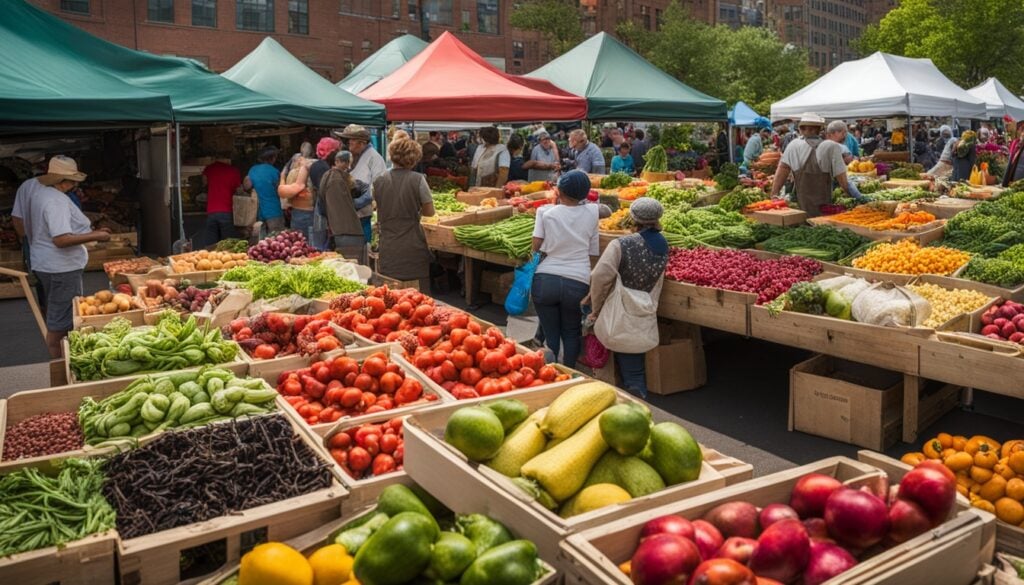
(274, 563)
(332, 565)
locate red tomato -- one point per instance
(292, 387)
(395, 369)
(470, 376)
(372, 444)
(533, 360)
(439, 357)
(487, 387)
(448, 371)
(369, 399)
(388, 443)
(350, 379)
(374, 366)
(364, 382)
(473, 344)
(421, 313)
(340, 441)
(243, 334)
(390, 382)
(461, 359)
(504, 385)
(397, 424)
(340, 455)
(435, 375)
(404, 308)
(515, 362)
(424, 360)
(358, 459)
(495, 333)
(547, 373)
(479, 357)
(376, 408)
(459, 320)
(383, 403)
(333, 395)
(376, 305)
(322, 374)
(399, 454)
(264, 351)
(351, 397)
(474, 327)
(528, 376)
(328, 343)
(313, 387)
(493, 362)
(508, 348)
(457, 336)
(491, 342)
(364, 329)
(383, 463)
(516, 378)
(342, 366)
(410, 391)
(391, 320)
(325, 414)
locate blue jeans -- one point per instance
(219, 226)
(632, 368)
(302, 221)
(367, 229)
(557, 301)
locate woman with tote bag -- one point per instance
(624, 289)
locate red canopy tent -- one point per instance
(449, 82)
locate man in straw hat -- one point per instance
(814, 164)
(56, 231)
(368, 165)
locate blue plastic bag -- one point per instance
(518, 298)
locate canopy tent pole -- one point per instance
(728, 133)
(177, 180)
(910, 135)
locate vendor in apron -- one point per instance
(815, 163)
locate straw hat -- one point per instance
(62, 168)
(811, 119)
(356, 132)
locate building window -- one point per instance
(362, 7)
(76, 6)
(487, 13)
(518, 51)
(298, 17)
(438, 11)
(160, 11)
(256, 15)
(414, 10)
(466, 19)
(204, 13)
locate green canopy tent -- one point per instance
(382, 63)
(271, 70)
(619, 84)
(42, 79)
(198, 96)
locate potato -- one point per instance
(216, 264)
(83, 308)
(204, 264)
(228, 265)
(123, 304)
(92, 310)
(104, 296)
(91, 300)
(109, 308)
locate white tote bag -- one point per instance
(628, 322)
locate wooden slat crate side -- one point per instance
(82, 562)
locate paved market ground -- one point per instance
(742, 411)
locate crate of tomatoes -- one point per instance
(371, 456)
(354, 385)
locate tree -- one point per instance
(968, 40)
(558, 21)
(749, 64)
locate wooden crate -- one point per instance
(11, 289)
(441, 235)
(974, 362)
(99, 256)
(238, 365)
(83, 562)
(952, 553)
(269, 370)
(135, 316)
(22, 405)
(947, 208)
(155, 559)
(445, 472)
(858, 342)
(476, 195)
(781, 217)
(709, 307)
(924, 234)
(309, 542)
(970, 322)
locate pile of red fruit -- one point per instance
(282, 246)
(821, 533)
(330, 389)
(1005, 322)
(739, 271)
(370, 449)
(271, 335)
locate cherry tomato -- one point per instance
(388, 443)
(340, 441)
(340, 455)
(264, 351)
(547, 373)
(383, 463)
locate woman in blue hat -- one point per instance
(566, 236)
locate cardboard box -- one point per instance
(493, 282)
(781, 217)
(677, 364)
(846, 401)
(951, 553)
(476, 195)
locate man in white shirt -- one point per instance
(56, 230)
(368, 166)
(813, 177)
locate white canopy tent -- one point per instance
(998, 100)
(879, 86)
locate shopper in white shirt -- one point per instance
(369, 165)
(56, 231)
(566, 237)
(491, 160)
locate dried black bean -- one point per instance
(198, 474)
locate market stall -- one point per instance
(999, 101)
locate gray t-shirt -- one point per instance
(830, 155)
(51, 213)
(590, 160)
(544, 156)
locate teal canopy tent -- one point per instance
(382, 63)
(619, 84)
(271, 70)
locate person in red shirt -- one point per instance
(222, 181)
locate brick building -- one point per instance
(878, 9)
(825, 28)
(332, 36)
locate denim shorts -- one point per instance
(60, 288)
